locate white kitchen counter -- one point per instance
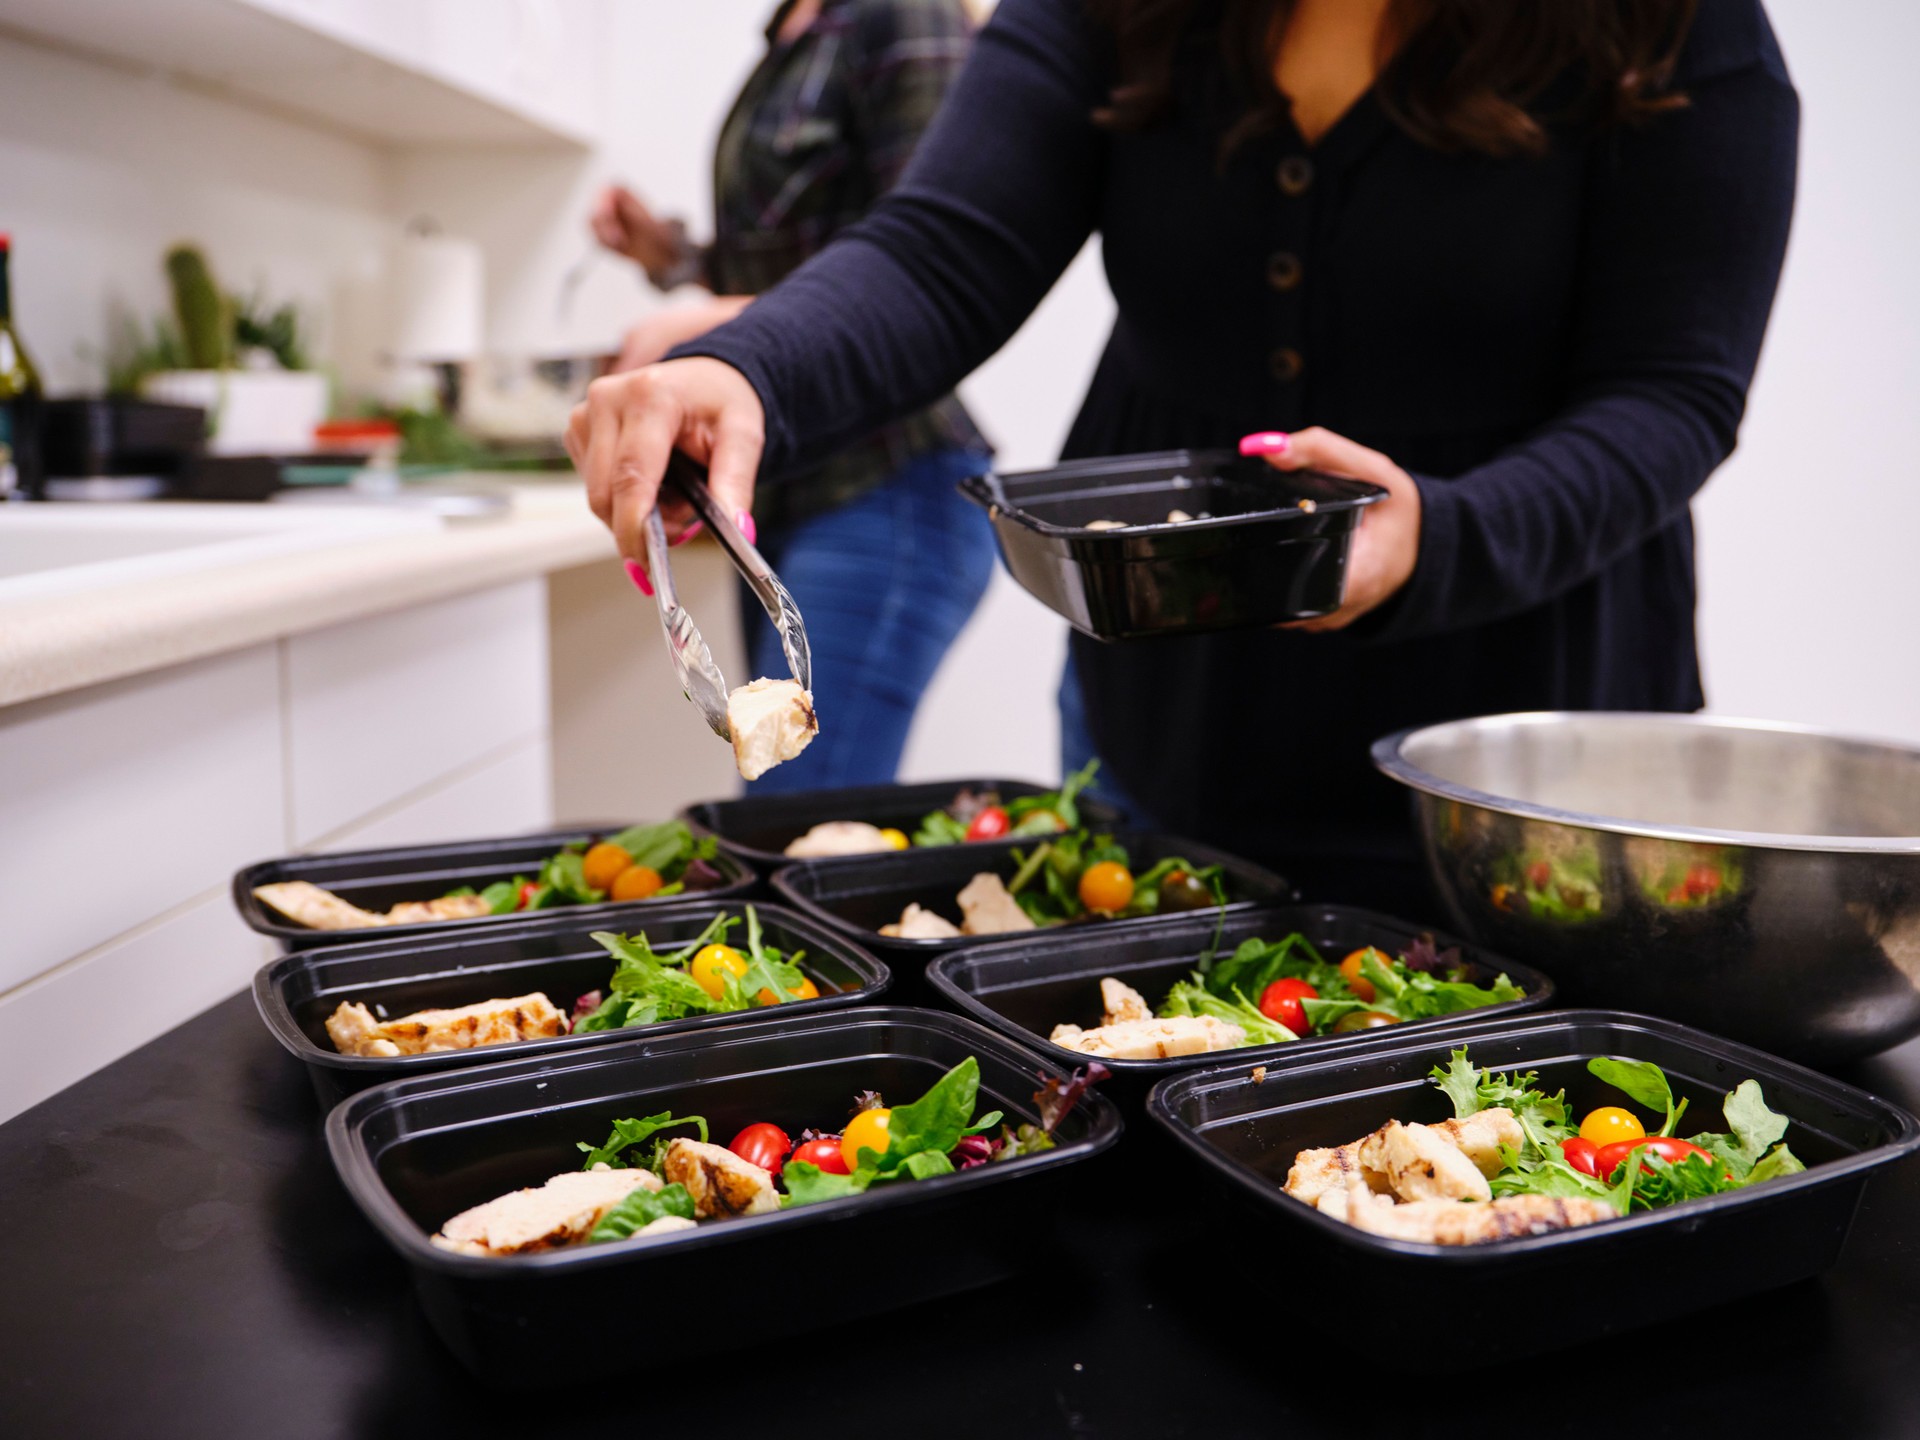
(64, 642)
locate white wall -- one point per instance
(1810, 536)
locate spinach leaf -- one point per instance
(1642, 1081)
(629, 1133)
(503, 896)
(1754, 1126)
(641, 1208)
(565, 874)
(808, 1184)
(935, 1121)
(1777, 1162)
(940, 828)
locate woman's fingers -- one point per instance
(647, 433)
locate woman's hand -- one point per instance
(621, 436)
(1388, 541)
(654, 336)
(623, 223)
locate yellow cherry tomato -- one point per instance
(636, 882)
(713, 963)
(1107, 886)
(1350, 968)
(603, 865)
(806, 990)
(896, 839)
(1610, 1124)
(866, 1130)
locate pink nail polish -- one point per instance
(747, 527)
(638, 575)
(688, 533)
(1266, 442)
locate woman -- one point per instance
(1511, 261)
(883, 556)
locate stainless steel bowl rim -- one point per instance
(1389, 758)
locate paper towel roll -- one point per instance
(439, 299)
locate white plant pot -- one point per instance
(249, 412)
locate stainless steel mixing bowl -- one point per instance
(1757, 880)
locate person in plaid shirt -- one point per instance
(886, 560)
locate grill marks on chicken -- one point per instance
(305, 903)
(1429, 1183)
(354, 1030)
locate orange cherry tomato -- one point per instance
(603, 863)
(1107, 886)
(1350, 968)
(868, 1130)
(807, 991)
(636, 882)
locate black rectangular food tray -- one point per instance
(1261, 560)
(415, 1152)
(1439, 1306)
(378, 879)
(759, 828)
(1025, 987)
(860, 894)
(552, 952)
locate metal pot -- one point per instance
(1754, 879)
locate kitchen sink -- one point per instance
(49, 549)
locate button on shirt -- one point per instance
(1556, 348)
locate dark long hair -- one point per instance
(1455, 74)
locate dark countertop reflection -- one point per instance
(177, 1259)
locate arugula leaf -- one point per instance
(767, 971)
(1777, 1162)
(566, 875)
(1542, 1117)
(629, 1133)
(639, 1209)
(940, 828)
(647, 986)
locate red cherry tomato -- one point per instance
(764, 1145)
(1582, 1155)
(990, 824)
(1702, 881)
(823, 1153)
(1539, 874)
(526, 893)
(1281, 1001)
(1669, 1148)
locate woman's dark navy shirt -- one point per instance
(1557, 348)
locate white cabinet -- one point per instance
(123, 800)
(509, 794)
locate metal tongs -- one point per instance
(700, 678)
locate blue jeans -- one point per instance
(1077, 748)
(885, 582)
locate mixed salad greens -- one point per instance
(938, 1134)
(980, 815)
(1285, 989)
(643, 862)
(1610, 1156)
(703, 977)
(1079, 876)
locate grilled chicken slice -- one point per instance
(447, 907)
(1120, 1002)
(989, 907)
(772, 721)
(307, 904)
(1151, 1038)
(721, 1183)
(1481, 1136)
(354, 1031)
(1318, 1174)
(916, 923)
(838, 837)
(1423, 1163)
(1450, 1222)
(561, 1212)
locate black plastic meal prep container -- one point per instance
(378, 879)
(759, 828)
(1261, 558)
(860, 894)
(1025, 987)
(1440, 1307)
(553, 952)
(416, 1152)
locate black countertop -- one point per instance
(177, 1259)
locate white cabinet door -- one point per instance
(380, 710)
(510, 795)
(95, 1009)
(122, 800)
